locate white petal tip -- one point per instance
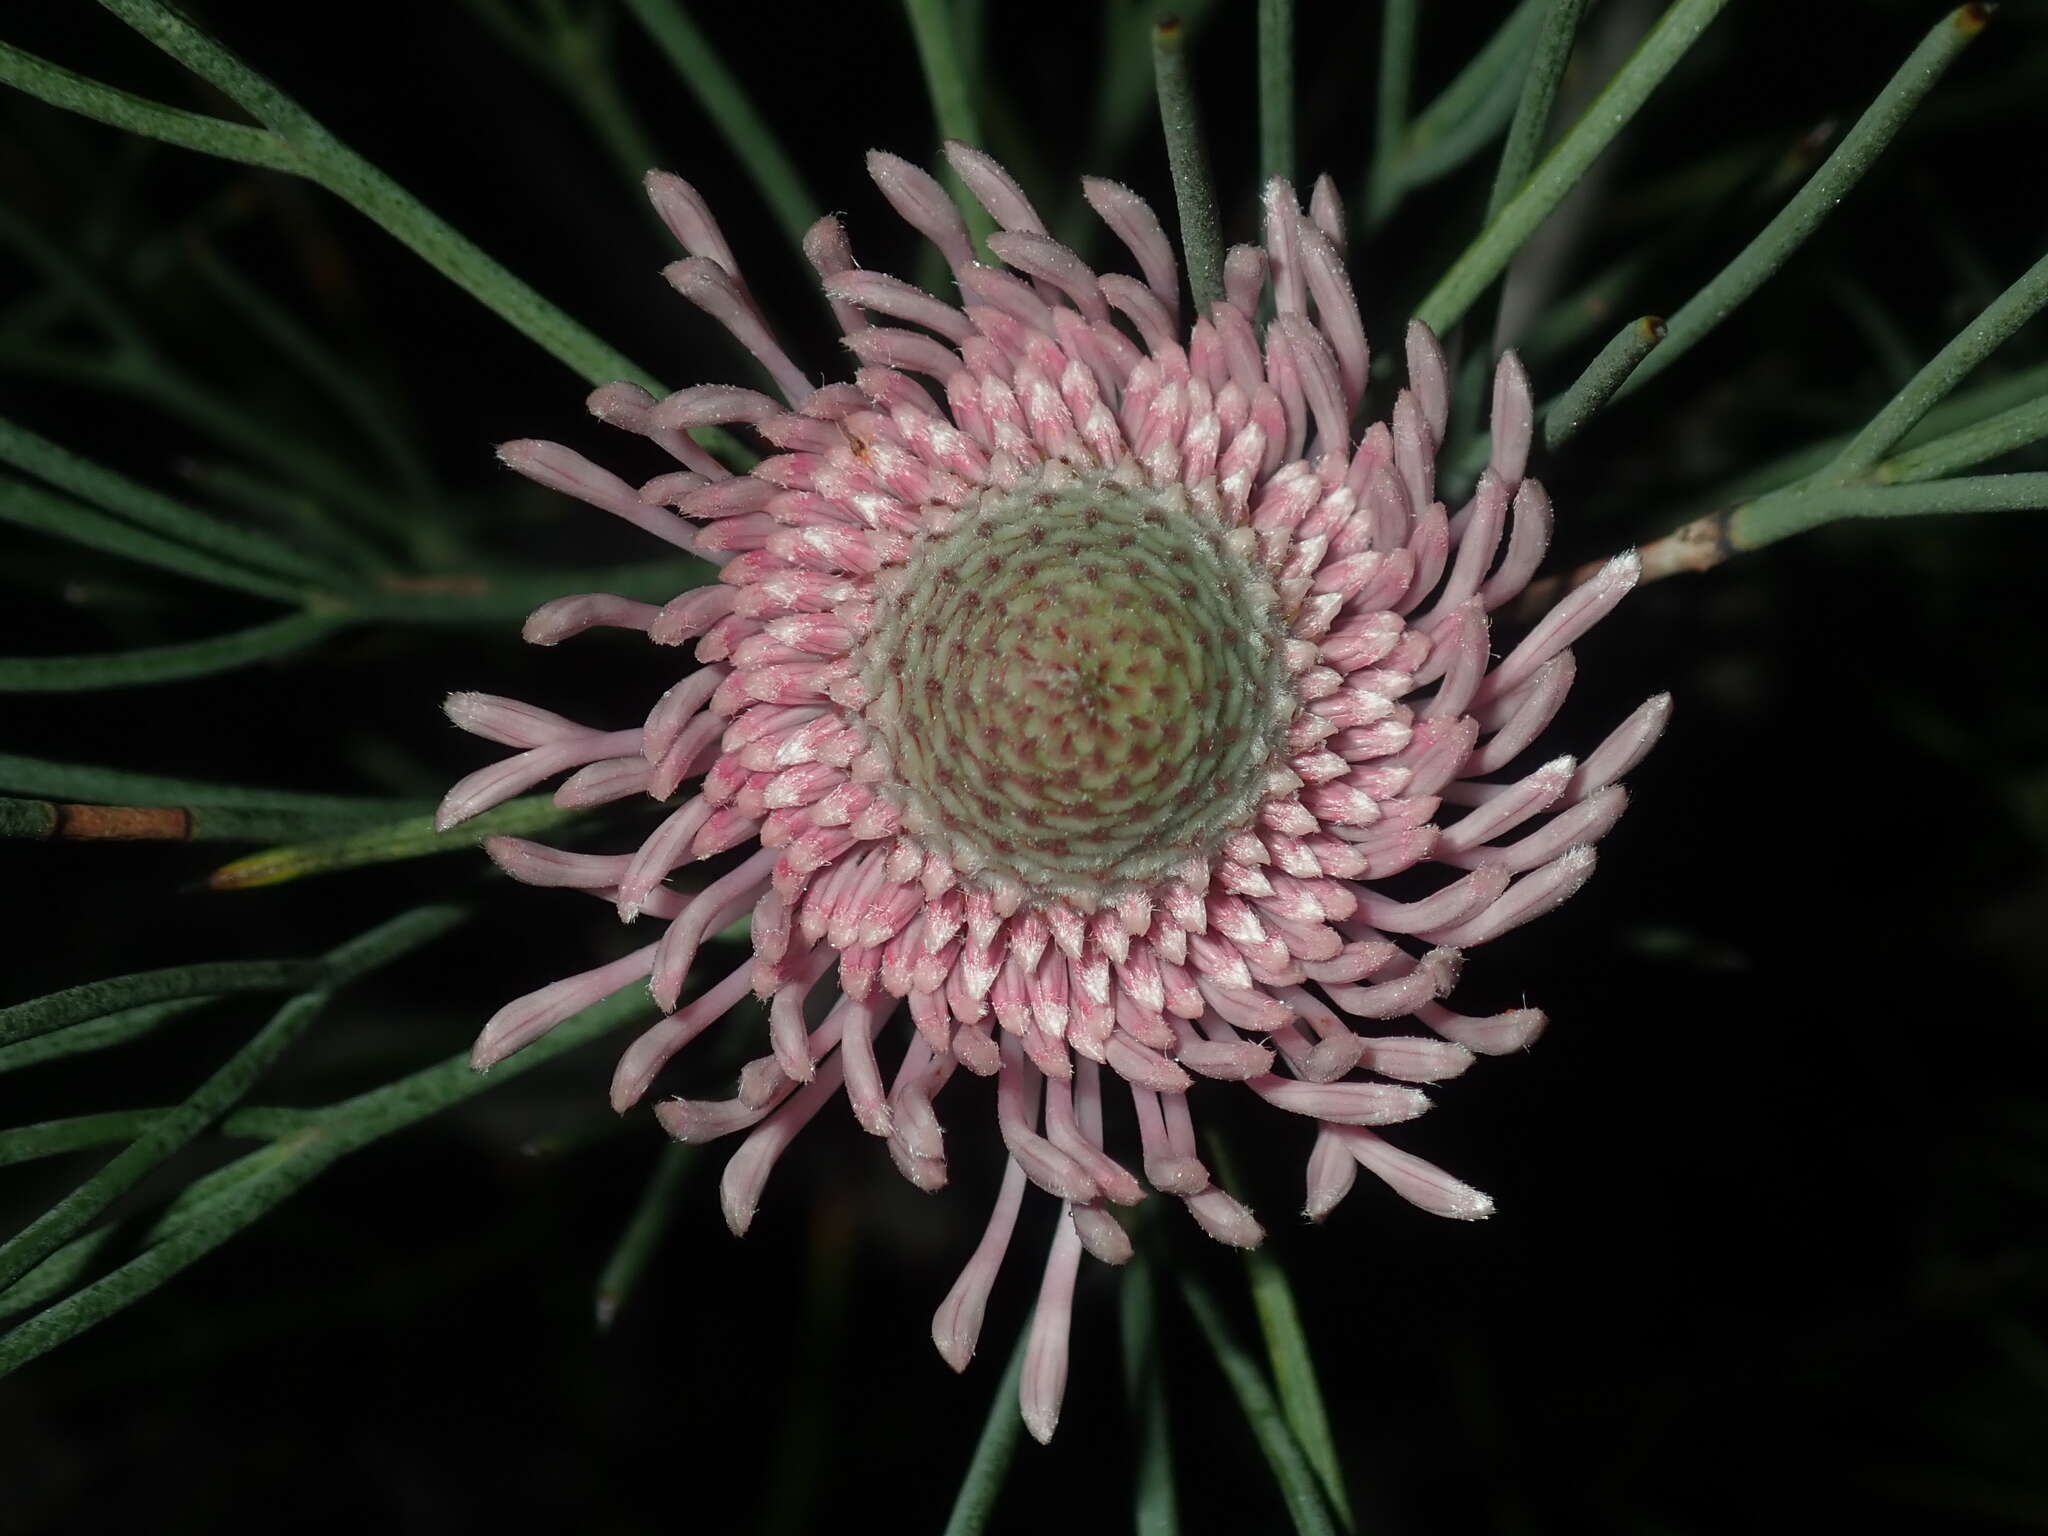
(955, 1347)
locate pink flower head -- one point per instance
(1077, 676)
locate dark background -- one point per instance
(1769, 1249)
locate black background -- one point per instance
(1769, 1250)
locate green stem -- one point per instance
(412, 838)
(1294, 1374)
(1966, 408)
(732, 113)
(1948, 368)
(1390, 107)
(59, 517)
(1287, 1348)
(167, 663)
(1992, 438)
(1474, 86)
(68, 1265)
(172, 1129)
(643, 1232)
(185, 1244)
(1145, 1386)
(132, 114)
(148, 377)
(1201, 239)
(1429, 161)
(366, 405)
(115, 994)
(1487, 257)
(1603, 376)
(72, 822)
(85, 781)
(156, 512)
(1821, 194)
(1276, 89)
(1779, 516)
(216, 1207)
(583, 60)
(306, 514)
(53, 1138)
(982, 1484)
(1547, 61)
(497, 597)
(98, 1034)
(326, 160)
(368, 1116)
(1297, 1479)
(949, 85)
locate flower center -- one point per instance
(1078, 684)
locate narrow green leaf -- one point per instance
(70, 284)
(370, 408)
(952, 92)
(213, 1208)
(974, 1506)
(85, 781)
(577, 53)
(1948, 368)
(158, 513)
(413, 838)
(1966, 408)
(1779, 516)
(498, 597)
(34, 820)
(731, 110)
(192, 1240)
(133, 114)
(1823, 192)
(1294, 1373)
(1550, 53)
(1992, 438)
(1125, 93)
(310, 517)
(117, 994)
(1572, 321)
(170, 1131)
(369, 1116)
(319, 155)
(1424, 163)
(643, 1232)
(166, 663)
(148, 377)
(1474, 86)
(1201, 239)
(58, 821)
(59, 1273)
(1564, 416)
(1390, 108)
(1297, 1479)
(164, 1135)
(1276, 89)
(53, 1138)
(1153, 1506)
(41, 511)
(1488, 255)
(97, 1034)
(65, 1268)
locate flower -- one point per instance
(1084, 696)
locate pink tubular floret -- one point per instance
(1272, 953)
